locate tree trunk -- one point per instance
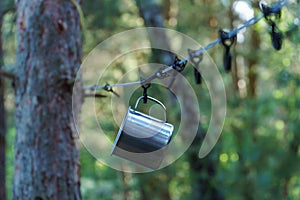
(2, 118)
(203, 171)
(48, 57)
(151, 12)
(234, 68)
(252, 76)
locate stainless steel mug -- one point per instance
(142, 138)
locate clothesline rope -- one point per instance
(274, 9)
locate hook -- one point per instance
(276, 33)
(196, 60)
(227, 41)
(145, 85)
(145, 88)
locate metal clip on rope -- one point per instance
(162, 72)
(178, 65)
(227, 41)
(195, 59)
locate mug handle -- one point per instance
(152, 99)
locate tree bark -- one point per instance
(2, 118)
(48, 57)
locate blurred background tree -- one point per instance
(257, 156)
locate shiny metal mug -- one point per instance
(142, 138)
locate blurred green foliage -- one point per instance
(258, 154)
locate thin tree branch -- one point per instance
(95, 95)
(7, 74)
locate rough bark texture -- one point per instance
(2, 118)
(48, 57)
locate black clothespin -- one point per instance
(196, 60)
(145, 85)
(275, 33)
(276, 37)
(108, 88)
(227, 41)
(178, 64)
(145, 88)
(268, 11)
